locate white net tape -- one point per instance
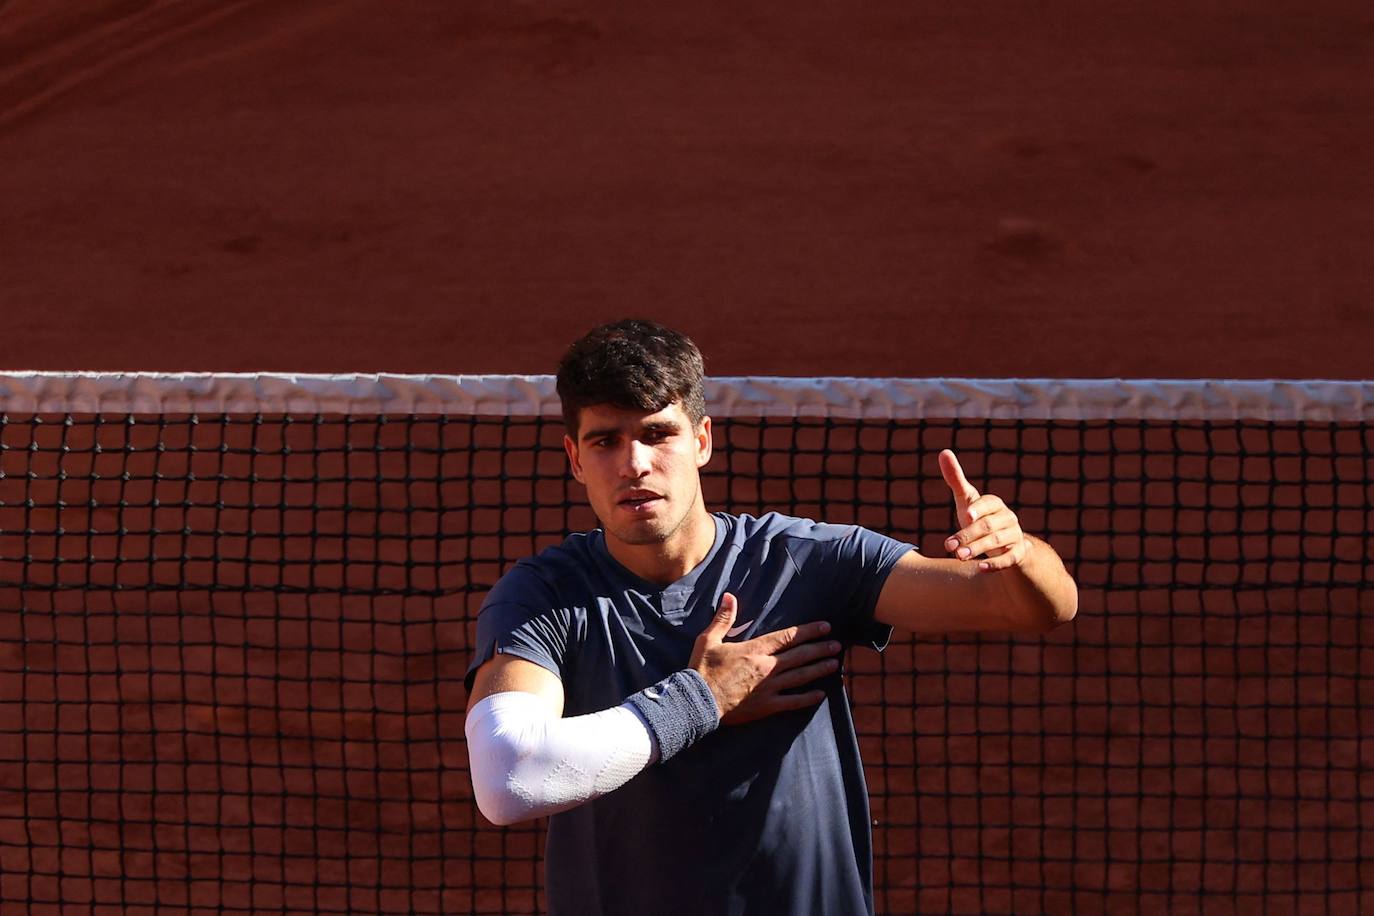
(1277, 400)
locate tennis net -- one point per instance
(235, 612)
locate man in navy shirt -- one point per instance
(605, 666)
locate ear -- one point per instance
(574, 462)
(704, 443)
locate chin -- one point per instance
(641, 536)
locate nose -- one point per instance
(637, 460)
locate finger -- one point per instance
(997, 541)
(964, 492)
(788, 701)
(722, 620)
(967, 535)
(985, 505)
(800, 677)
(760, 705)
(784, 702)
(961, 542)
(1005, 559)
(804, 654)
(790, 636)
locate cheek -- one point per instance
(678, 467)
(601, 479)
(592, 476)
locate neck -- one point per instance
(664, 562)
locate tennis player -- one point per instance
(666, 688)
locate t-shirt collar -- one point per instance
(640, 584)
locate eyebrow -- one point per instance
(598, 432)
(654, 426)
(661, 426)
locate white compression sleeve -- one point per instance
(526, 762)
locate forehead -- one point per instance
(602, 418)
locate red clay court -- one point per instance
(223, 693)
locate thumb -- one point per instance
(964, 492)
(722, 620)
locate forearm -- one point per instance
(527, 762)
(1038, 591)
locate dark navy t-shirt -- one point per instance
(769, 817)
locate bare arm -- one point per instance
(1001, 579)
(504, 673)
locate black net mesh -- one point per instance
(232, 648)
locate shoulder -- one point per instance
(775, 526)
(539, 580)
(803, 540)
(808, 541)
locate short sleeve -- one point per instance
(862, 560)
(518, 619)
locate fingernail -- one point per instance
(825, 627)
(952, 544)
(832, 664)
(964, 553)
(985, 566)
(832, 647)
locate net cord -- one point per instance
(1274, 400)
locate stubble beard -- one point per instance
(657, 531)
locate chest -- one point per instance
(629, 638)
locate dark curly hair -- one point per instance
(634, 365)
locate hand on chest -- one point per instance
(635, 636)
(774, 589)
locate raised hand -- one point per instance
(986, 524)
(750, 678)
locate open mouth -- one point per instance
(637, 502)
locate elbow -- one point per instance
(1061, 611)
(497, 766)
(502, 804)
(499, 812)
(494, 766)
(1055, 592)
(1047, 612)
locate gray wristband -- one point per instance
(679, 710)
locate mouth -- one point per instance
(639, 500)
